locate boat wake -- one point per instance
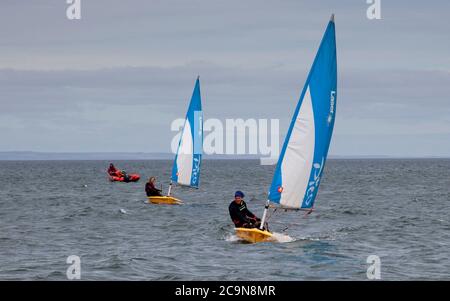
(232, 238)
(281, 238)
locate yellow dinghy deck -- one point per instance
(164, 200)
(253, 235)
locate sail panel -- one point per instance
(299, 156)
(184, 157)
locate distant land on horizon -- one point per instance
(107, 156)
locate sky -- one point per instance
(116, 79)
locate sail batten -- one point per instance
(186, 166)
(300, 165)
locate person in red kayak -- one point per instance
(150, 188)
(113, 171)
(117, 175)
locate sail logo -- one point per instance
(332, 104)
(198, 131)
(312, 185)
(200, 125)
(195, 170)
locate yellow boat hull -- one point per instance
(253, 235)
(164, 200)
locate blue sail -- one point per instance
(186, 166)
(302, 158)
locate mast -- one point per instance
(170, 188)
(263, 220)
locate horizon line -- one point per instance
(100, 155)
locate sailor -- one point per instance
(150, 188)
(240, 215)
(126, 177)
(112, 170)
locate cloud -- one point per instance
(117, 78)
(99, 108)
(248, 33)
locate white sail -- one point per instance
(298, 159)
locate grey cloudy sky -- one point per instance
(117, 78)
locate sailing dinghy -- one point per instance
(301, 163)
(186, 166)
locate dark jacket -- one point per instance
(151, 190)
(240, 215)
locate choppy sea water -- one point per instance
(395, 209)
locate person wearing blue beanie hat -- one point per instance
(239, 213)
(239, 194)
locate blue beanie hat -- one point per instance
(239, 194)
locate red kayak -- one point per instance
(119, 177)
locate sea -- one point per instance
(392, 215)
